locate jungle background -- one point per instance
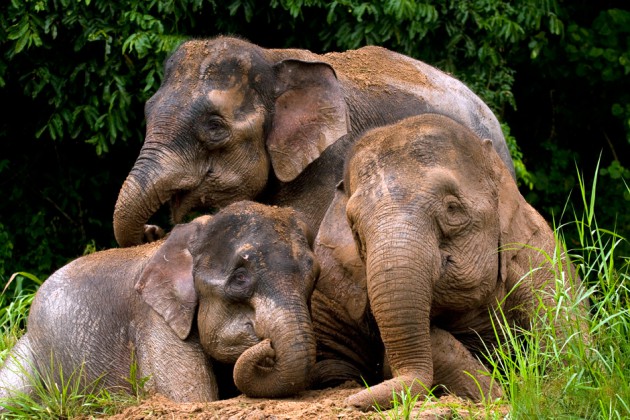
(74, 76)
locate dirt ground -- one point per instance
(323, 404)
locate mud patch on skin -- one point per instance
(372, 67)
(322, 404)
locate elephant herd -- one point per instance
(367, 226)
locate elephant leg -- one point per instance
(458, 371)
(347, 349)
(153, 233)
(179, 370)
(19, 372)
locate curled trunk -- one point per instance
(136, 203)
(278, 366)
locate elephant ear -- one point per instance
(166, 283)
(310, 115)
(340, 262)
(517, 219)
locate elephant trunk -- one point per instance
(148, 186)
(280, 365)
(401, 273)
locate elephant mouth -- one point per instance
(184, 207)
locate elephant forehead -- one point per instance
(226, 70)
(214, 67)
(233, 102)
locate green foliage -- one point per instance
(575, 94)
(118, 63)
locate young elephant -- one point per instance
(443, 238)
(229, 288)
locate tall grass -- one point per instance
(13, 314)
(582, 369)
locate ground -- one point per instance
(323, 404)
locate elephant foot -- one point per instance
(153, 233)
(381, 396)
(458, 371)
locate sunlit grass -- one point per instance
(68, 395)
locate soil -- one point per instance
(322, 404)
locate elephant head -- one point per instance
(430, 206)
(228, 117)
(245, 275)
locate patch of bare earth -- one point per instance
(321, 404)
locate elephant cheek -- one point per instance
(225, 334)
(239, 174)
(468, 280)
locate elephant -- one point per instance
(427, 238)
(229, 289)
(233, 121)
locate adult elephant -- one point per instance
(234, 121)
(428, 239)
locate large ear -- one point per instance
(310, 115)
(166, 283)
(342, 272)
(520, 224)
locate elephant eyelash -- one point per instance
(240, 285)
(455, 218)
(213, 130)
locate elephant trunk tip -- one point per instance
(259, 373)
(134, 206)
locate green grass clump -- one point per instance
(69, 396)
(13, 314)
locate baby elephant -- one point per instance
(232, 287)
(426, 239)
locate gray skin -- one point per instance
(427, 236)
(231, 288)
(234, 121)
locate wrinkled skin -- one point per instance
(231, 288)
(234, 121)
(425, 239)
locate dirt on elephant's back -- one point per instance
(323, 404)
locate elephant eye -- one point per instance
(454, 217)
(240, 285)
(213, 130)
